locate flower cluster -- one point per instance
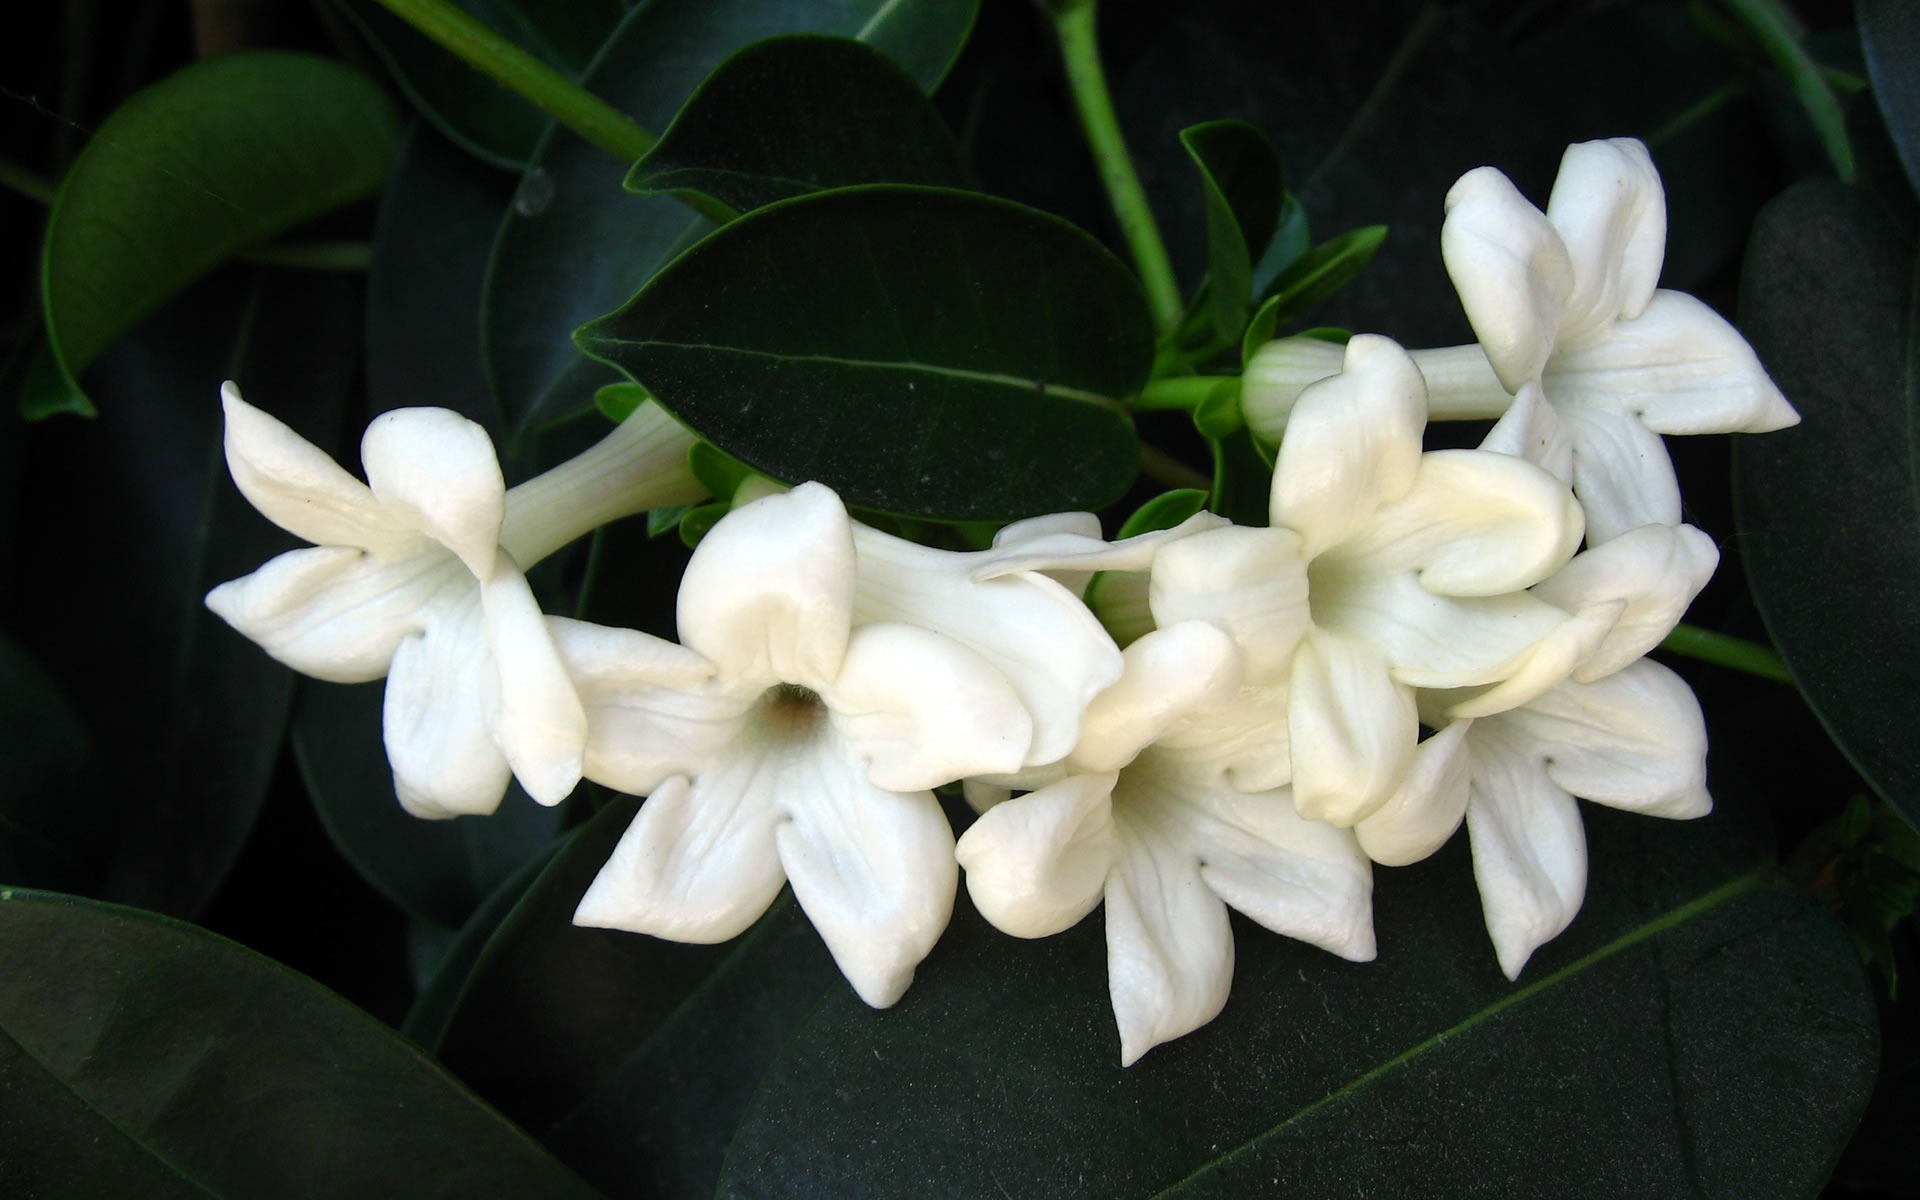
(1254, 742)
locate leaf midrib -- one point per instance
(1726, 892)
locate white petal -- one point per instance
(297, 486)
(1068, 554)
(1621, 473)
(1434, 641)
(1429, 805)
(1353, 729)
(1037, 864)
(1681, 366)
(1634, 740)
(1352, 445)
(1246, 739)
(922, 711)
(1169, 673)
(1169, 947)
(436, 470)
(1529, 851)
(541, 727)
(768, 596)
(698, 864)
(1511, 269)
(1035, 632)
(1611, 212)
(1474, 523)
(1652, 571)
(338, 613)
(1249, 583)
(1532, 429)
(873, 869)
(443, 697)
(1546, 665)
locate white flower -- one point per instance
(1568, 299)
(416, 576)
(790, 740)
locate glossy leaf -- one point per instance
(1827, 516)
(479, 115)
(172, 183)
(125, 632)
(924, 352)
(574, 245)
(1890, 38)
(142, 1056)
(800, 114)
(1241, 175)
(1698, 1031)
(1310, 279)
(439, 870)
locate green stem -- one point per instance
(1158, 465)
(1177, 391)
(542, 86)
(1080, 50)
(1727, 651)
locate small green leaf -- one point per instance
(1312, 278)
(1218, 415)
(618, 401)
(799, 114)
(719, 472)
(924, 352)
(1164, 511)
(216, 158)
(1241, 174)
(699, 520)
(144, 1056)
(662, 521)
(1291, 239)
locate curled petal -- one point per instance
(296, 486)
(1420, 816)
(922, 711)
(1249, 583)
(698, 864)
(541, 726)
(1169, 947)
(1353, 729)
(1529, 851)
(1634, 740)
(1511, 269)
(768, 596)
(1473, 524)
(1611, 212)
(436, 470)
(1652, 572)
(1621, 473)
(1170, 673)
(1532, 429)
(1352, 445)
(442, 701)
(873, 869)
(1068, 553)
(1434, 641)
(1681, 366)
(338, 613)
(1037, 864)
(1548, 664)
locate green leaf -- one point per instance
(1774, 26)
(216, 158)
(1826, 510)
(479, 115)
(1241, 175)
(800, 114)
(142, 1056)
(1697, 1032)
(575, 245)
(1313, 277)
(438, 870)
(1890, 39)
(924, 352)
(53, 808)
(618, 401)
(1291, 239)
(1164, 512)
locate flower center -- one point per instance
(791, 708)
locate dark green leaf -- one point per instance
(924, 352)
(662, 521)
(1827, 509)
(141, 1056)
(575, 245)
(479, 115)
(216, 158)
(799, 114)
(1313, 277)
(53, 809)
(1164, 511)
(1696, 1032)
(1241, 175)
(1890, 38)
(1291, 239)
(439, 870)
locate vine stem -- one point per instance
(1726, 650)
(1073, 24)
(545, 88)
(1178, 391)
